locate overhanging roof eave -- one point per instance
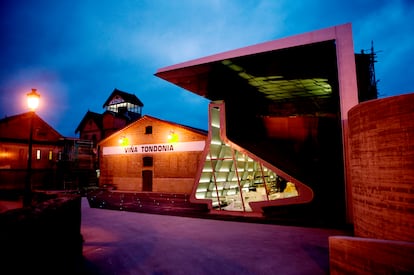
(287, 42)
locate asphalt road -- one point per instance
(119, 242)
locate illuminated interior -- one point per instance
(278, 88)
(127, 106)
(232, 180)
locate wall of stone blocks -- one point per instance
(353, 255)
(382, 167)
(381, 151)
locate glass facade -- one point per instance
(125, 105)
(232, 180)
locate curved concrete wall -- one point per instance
(382, 167)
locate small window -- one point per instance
(147, 161)
(38, 154)
(148, 130)
(60, 155)
(50, 154)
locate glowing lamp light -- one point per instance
(172, 137)
(123, 141)
(33, 99)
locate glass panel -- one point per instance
(231, 190)
(206, 179)
(226, 152)
(215, 150)
(215, 117)
(232, 180)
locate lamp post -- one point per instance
(33, 103)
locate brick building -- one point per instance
(57, 162)
(121, 109)
(151, 155)
(14, 140)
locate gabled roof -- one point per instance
(147, 117)
(97, 118)
(18, 127)
(200, 131)
(127, 116)
(131, 98)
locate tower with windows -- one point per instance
(124, 104)
(121, 109)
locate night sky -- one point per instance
(76, 52)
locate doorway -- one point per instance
(147, 180)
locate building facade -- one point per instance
(57, 162)
(121, 109)
(151, 155)
(284, 108)
(14, 140)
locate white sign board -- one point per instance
(155, 148)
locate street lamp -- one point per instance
(32, 103)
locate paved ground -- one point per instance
(118, 242)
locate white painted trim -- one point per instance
(154, 148)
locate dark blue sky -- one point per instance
(76, 52)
